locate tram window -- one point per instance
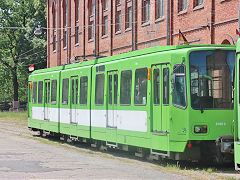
(48, 92)
(156, 86)
(75, 90)
(140, 91)
(99, 89)
(110, 89)
(65, 89)
(115, 88)
(125, 89)
(165, 86)
(34, 97)
(83, 90)
(54, 92)
(179, 93)
(40, 92)
(29, 91)
(211, 79)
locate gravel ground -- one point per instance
(24, 155)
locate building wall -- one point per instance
(213, 22)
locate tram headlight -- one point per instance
(200, 129)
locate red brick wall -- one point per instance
(210, 23)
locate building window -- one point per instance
(197, 3)
(182, 5)
(105, 25)
(128, 20)
(118, 2)
(54, 15)
(76, 34)
(64, 38)
(145, 11)
(91, 7)
(64, 24)
(159, 8)
(105, 4)
(90, 30)
(76, 21)
(118, 21)
(76, 10)
(54, 26)
(54, 41)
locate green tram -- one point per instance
(237, 111)
(170, 101)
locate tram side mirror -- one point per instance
(173, 81)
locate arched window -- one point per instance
(53, 15)
(90, 19)
(76, 21)
(225, 41)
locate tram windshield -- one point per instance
(211, 79)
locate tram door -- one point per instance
(112, 106)
(46, 99)
(160, 98)
(74, 99)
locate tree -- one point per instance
(19, 47)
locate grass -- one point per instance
(14, 117)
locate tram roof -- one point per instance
(128, 55)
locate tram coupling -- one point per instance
(225, 149)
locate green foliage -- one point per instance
(19, 47)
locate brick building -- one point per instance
(125, 25)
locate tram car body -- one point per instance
(169, 101)
(237, 111)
